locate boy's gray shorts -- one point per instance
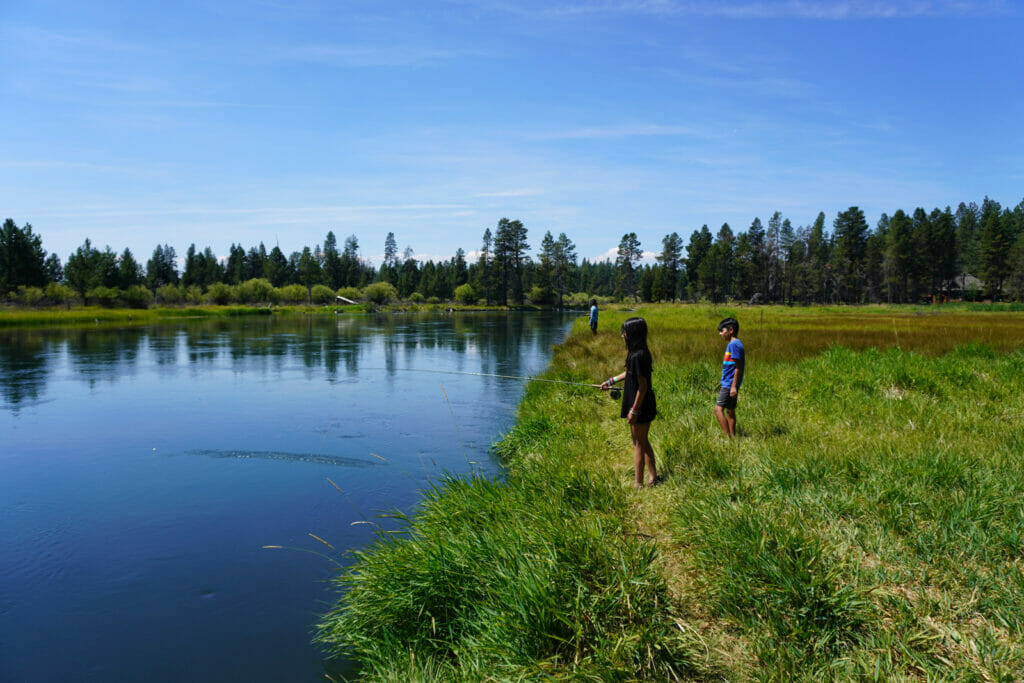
(725, 400)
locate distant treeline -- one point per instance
(975, 252)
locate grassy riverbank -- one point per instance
(867, 523)
(98, 315)
(93, 315)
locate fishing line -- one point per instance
(615, 391)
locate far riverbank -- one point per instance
(93, 315)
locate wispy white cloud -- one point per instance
(63, 44)
(57, 164)
(371, 55)
(646, 257)
(518, 192)
(142, 212)
(800, 9)
(627, 131)
(851, 9)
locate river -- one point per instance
(144, 471)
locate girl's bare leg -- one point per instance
(643, 454)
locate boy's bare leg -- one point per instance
(730, 418)
(723, 420)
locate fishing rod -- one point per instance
(616, 392)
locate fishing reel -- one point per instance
(615, 393)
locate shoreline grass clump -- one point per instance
(867, 523)
(496, 581)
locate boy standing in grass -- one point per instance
(732, 375)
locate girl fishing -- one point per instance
(638, 403)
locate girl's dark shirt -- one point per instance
(638, 364)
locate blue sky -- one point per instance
(137, 124)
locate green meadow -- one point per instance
(867, 523)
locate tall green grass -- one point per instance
(509, 581)
(868, 523)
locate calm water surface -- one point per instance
(142, 472)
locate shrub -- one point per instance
(30, 296)
(292, 294)
(136, 296)
(416, 298)
(540, 295)
(322, 294)
(351, 293)
(58, 293)
(193, 294)
(221, 293)
(256, 291)
(170, 294)
(380, 292)
(465, 294)
(104, 296)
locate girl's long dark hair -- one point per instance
(635, 331)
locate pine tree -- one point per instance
(670, 259)
(942, 250)
(22, 258)
(994, 249)
(850, 231)
(309, 272)
(161, 269)
(874, 262)
(485, 268)
(628, 257)
(696, 252)
(564, 262)
(772, 266)
(791, 253)
(510, 249)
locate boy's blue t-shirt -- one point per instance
(593, 315)
(733, 353)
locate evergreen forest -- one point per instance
(973, 253)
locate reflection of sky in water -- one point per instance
(143, 470)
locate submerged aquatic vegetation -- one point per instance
(868, 521)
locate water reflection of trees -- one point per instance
(336, 347)
(23, 368)
(102, 355)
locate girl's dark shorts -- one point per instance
(725, 400)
